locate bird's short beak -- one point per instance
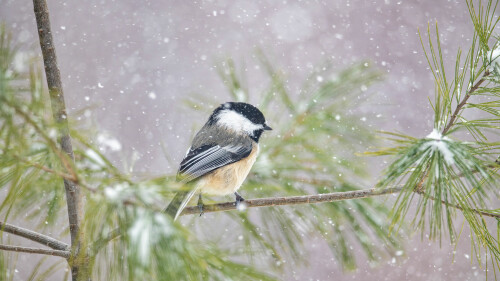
(267, 128)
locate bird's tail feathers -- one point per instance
(179, 202)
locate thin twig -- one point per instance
(456, 206)
(59, 253)
(97, 245)
(46, 169)
(34, 236)
(454, 116)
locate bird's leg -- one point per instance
(200, 204)
(239, 198)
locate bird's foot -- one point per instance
(239, 199)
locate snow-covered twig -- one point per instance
(59, 253)
(34, 236)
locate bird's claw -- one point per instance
(239, 199)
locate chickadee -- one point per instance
(221, 154)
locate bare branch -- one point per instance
(59, 253)
(74, 199)
(34, 236)
(293, 200)
(319, 198)
(73, 196)
(464, 102)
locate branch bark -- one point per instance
(34, 236)
(59, 253)
(313, 199)
(73, 194)
(293, 200)
(464, 102)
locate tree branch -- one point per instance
(268, 202)
(313, 199)
(59, 253)
(74, 198)
(34, 236)
(464, 102)
(293, 200)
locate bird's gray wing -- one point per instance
(207, 158)
(201, 161)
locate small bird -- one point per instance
(221, 154)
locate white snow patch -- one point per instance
(146, 231)
(140, 235)
(494, 56)
(20, 61)
(115, 193)
(95, 157)
(242, 206)
(108, 142)
(439, 143)
(435, 134)
(240, 95)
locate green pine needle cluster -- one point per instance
(453, 169)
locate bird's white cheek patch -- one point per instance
(237, 122)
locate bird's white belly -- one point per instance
(228, 179)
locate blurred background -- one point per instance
(132, 65)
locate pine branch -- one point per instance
(464, 102)
(292, 200)
(34, 236)
(59, 253)
(265, 202)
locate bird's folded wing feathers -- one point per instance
(201, 161)
(207, 158)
